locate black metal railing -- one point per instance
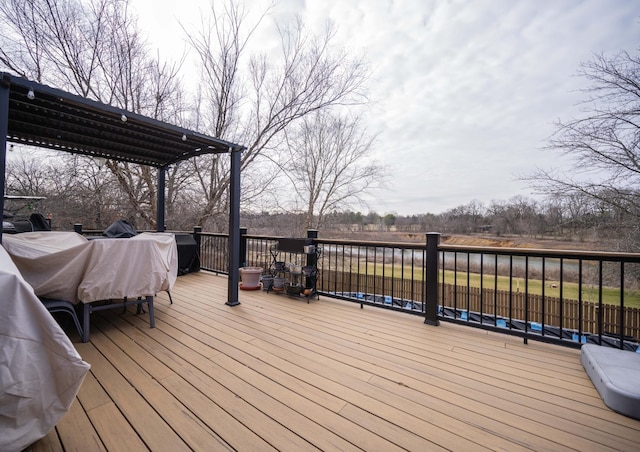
(571, 297)
(388, 275)
(566, 297)
(558, 296)
(214, 251)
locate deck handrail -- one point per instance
(550, 295)
(395, 275)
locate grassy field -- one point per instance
(570, 291)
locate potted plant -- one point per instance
(250, 277)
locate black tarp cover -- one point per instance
(120, 229)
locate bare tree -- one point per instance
(27, 177)
(328, 165)
(83, 191)
(74, 191)
(465, 218)
(253, 99)
(603, 144)
(94, 48)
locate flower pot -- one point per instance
(250, 277)
(278, 283)
(293, 289)
(267, 282)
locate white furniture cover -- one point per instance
(67, 266)
(40, 370)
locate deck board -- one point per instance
(128, 395)
(78, 425)
(278, 373)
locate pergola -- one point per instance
(38, 115)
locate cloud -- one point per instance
(470, 97)
(465, 92)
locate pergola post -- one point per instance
(4, 128)
(234, 227)
(160, 205)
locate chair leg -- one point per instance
(86, 312)
(170, 299)
(152, 320)
(76, 322)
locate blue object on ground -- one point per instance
(582, 338)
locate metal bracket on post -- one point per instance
(432, 263)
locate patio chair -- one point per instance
(65, 307)
(89, 308)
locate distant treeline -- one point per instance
(78, 191)
(569, 219)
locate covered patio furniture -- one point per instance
(40, 370)
(66, 266)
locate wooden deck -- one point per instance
(278, 373)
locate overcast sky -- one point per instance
(466, 92)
